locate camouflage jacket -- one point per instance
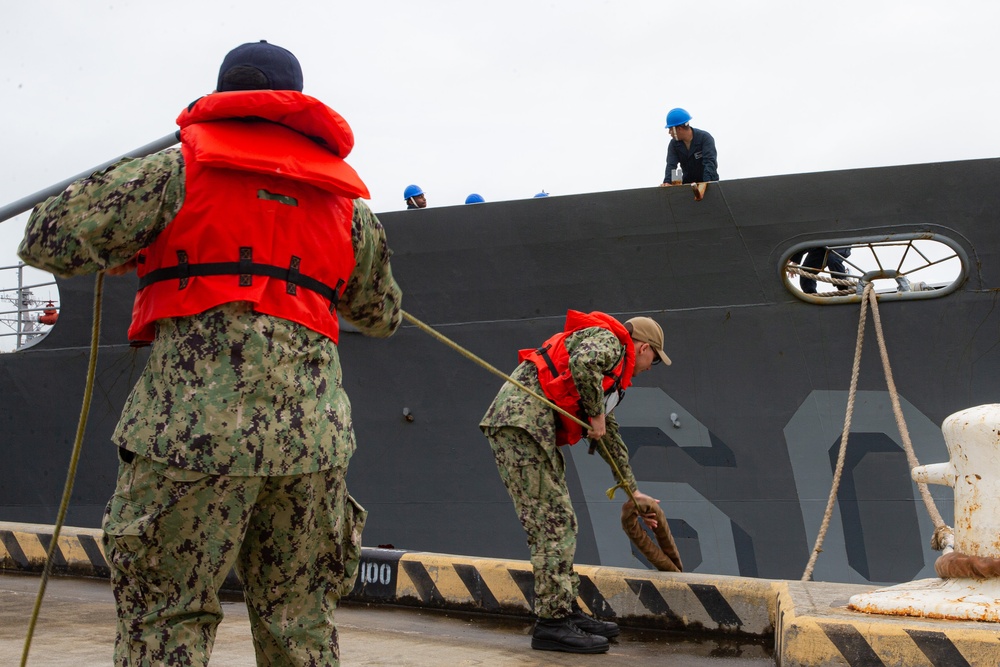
(228, 391)
(592, 352)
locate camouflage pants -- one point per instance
(171, 537)
(535, 477)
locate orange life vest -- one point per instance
(266, 218)
(552, 361)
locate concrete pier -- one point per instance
(77, 629)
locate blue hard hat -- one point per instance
(475, 199)
(677, 117)
(412, 191)
(543, 193)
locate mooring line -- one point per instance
(942, 532)
(95, 336)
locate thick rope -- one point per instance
(911, 457)
(847, 286)
(955, 565)
(842, 454)
(942, 533)
(81, 428)
(950, 564)
(492, 369)
(663, 555)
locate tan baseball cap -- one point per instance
(646, 330)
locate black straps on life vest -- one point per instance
(544, 352)
(245, 268)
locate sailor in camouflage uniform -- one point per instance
(234, 443)
(599, 356)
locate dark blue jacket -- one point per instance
(700, 163)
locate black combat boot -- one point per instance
(562, 634)
(592, 625)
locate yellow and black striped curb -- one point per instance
(682, 602)
(814, 627)
(637, 598)
(23, 547)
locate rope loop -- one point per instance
(663, 555)
(846, 285)
(955, 565)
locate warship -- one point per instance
(738, 438)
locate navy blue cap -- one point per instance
(278, 65)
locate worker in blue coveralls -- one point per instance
(692, 149)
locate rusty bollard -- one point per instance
(970, 585)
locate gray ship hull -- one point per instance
(758, 386)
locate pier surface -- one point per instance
(76, 628)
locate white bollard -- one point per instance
(973, 440)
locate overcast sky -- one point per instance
(509, 98)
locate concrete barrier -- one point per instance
(636, 598)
